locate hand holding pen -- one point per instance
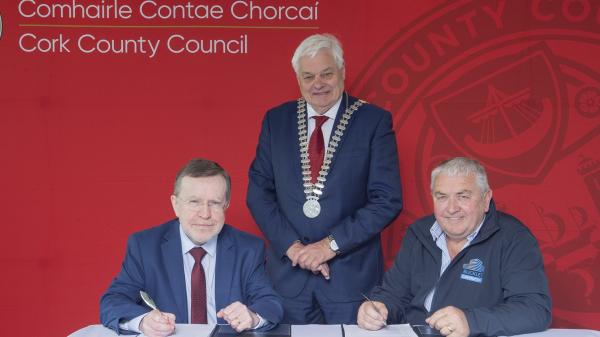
(156, 323)
(372, 315)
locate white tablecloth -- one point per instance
(181, 330)
(199, 330)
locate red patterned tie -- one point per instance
(316, 147)
(198, 287)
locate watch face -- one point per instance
(333, 245)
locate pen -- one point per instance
(150, 302)
(368, 299)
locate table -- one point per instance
(196, 330)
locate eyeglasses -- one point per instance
(195, 205)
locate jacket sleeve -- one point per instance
(262, 196)
(526, 307)
(384, 191)
(395, 290)
(121, 302)
(261, 297)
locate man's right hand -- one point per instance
(372, 315)
(158, 324)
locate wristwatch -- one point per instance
(333, 245)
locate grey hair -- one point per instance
(313, 44)
(462, 166)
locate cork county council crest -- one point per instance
(516, 85)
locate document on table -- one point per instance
(316, 330)
(392, 330)
(191, 330)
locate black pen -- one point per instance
(368, 299)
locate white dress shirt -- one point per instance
(327, 127)
(208, 264)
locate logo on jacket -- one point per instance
(473, 271)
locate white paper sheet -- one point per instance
(394, 330)
(316, 330)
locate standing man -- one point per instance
(466, 270)
(196, 268)
(325, 182)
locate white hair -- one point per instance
(313, 44)
(461, 166)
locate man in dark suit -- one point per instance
(325, 182)
(229, 285)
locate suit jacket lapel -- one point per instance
(295, 155)
(173, 262)
(223, 275)
(338, 117)
(294, 133)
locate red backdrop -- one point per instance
(91, 137)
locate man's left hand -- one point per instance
(315, 254)
(450, 321)
(239, 316)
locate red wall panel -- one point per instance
(90, 142)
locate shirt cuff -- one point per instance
(133, 324)
(261, 322)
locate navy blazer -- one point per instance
(154, 263)
(362, 195)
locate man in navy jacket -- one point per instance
(323, 220)
(161, 262)
(466, 270)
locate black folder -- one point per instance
(426, 331)
(225, 330)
